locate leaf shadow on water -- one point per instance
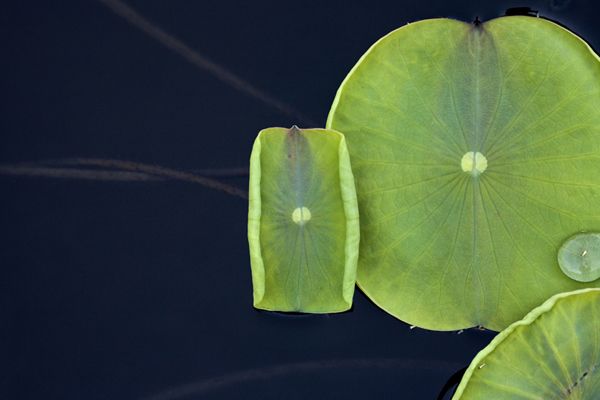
(451, 385)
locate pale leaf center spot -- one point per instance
(301, 215)
(473, 162)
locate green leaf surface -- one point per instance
(476, 153)
(553, 353)
(302, 221)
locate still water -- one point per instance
(141, 290)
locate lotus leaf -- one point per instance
(302, 221)
(476, 153)
(553, 353)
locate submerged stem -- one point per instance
(200, 61)
(208, 385)
(119, 170)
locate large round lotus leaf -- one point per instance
(476, 152)
(302, 221)
(553, 353)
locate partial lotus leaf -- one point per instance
(302, 221)
(476, 153)
(553, 353)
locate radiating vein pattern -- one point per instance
(302, 222)
(476, 152)
(552, 354)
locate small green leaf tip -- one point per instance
(302, 221)
(579, 257)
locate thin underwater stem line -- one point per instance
(74, 173)
(211, 384)
(200, 61)
(122, 171)
(235, 172)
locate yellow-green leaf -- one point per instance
(476, 152)
(302, 221)
(553, 353)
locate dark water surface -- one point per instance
(141, 290)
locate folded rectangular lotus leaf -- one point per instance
(302, 221)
